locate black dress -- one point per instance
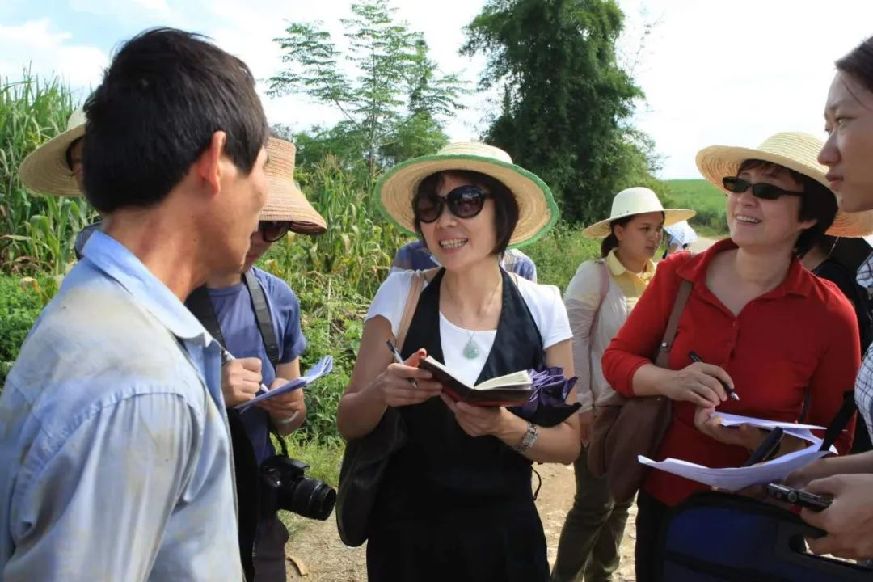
(451, 506)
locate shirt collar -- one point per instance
(797, 281)
(618, 269)
(117, 262)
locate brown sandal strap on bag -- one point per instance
(673, 324)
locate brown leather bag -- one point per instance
(625, 428)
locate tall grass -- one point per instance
(36, 233)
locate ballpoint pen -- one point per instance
(399, 359)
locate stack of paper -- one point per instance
(736, 478)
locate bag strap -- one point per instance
(673, 324)
(604, 289)
(199, 304)
(418, 280)
(263, 317)
(841, 419)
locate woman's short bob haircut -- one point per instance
(505, 205)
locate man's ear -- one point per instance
(208, 165)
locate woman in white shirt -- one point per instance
(598, 300)
(456, 501)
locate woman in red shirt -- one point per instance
(764, 325)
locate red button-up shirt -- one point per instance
(801, 335)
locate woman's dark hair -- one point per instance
(859, 64)
(817, 203)
(505, 205)
(162, 98)
(611, 241)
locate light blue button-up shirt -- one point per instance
(115, 461)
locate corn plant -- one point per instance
(36, 233)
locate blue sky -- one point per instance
(713, 72)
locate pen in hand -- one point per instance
(227, 357)
(399, 359)
(730, 391)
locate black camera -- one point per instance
(285, 478)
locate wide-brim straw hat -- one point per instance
(45, 170)
(632, 201)
(285, 201)
(793, 150)
(537, 211)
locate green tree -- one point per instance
(566, 100)
(389, 93)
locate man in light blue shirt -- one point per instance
(113, 438)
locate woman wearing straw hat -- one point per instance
(456, 502)
(848, 115)
(228, 301)
(598, 299)
(748, 318)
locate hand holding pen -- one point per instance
(728, 390)
(405, 384)
(240, 378)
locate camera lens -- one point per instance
(313, 498)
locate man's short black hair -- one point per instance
(162, 98)
(505, 204)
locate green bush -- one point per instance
(559, 254)
(21, 300)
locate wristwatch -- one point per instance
(529, 438)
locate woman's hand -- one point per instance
(586, 423)
(706, 420)
(478, 421)
(698, 384)
(406, 384)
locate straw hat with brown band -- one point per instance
(45, 170)
(285, 201)
(792, 150)
(537, 211)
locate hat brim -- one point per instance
(45, 171)
(716, 162)
(537, 210)
(671, 216)
(286, 203)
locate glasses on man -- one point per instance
(273, 230)
(760, 190)
(464, 202)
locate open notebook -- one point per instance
(508, 390)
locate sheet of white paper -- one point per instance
(736, 419)
(736, 478)
(322, 367)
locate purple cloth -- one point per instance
(547, 404)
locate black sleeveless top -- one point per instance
(441, 469)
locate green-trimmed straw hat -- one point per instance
(537, 211)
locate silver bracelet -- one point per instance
(529, 438)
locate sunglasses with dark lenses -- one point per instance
(273, 230)
(761, 190)
(464, 202)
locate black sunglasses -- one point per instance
(761, 190)
(464, 202)
(273, 230)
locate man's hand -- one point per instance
(287, 410)
(240, 380)
(848, 521)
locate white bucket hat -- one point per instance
(285, 201)
(793, 150)
(632, 201)
(537, 211)
(45, 170)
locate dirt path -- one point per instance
(323, 557)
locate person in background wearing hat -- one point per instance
(456, 501)
(114, 441)
(55, 169)
(598, 299)
(415, 256)
(678, 237)
(230, 304)
(848, 115)
(762, 324)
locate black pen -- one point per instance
(766, 449)
(398, 358)
(730, 391)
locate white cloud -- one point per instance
(49, 52)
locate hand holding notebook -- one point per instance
(322, 367)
